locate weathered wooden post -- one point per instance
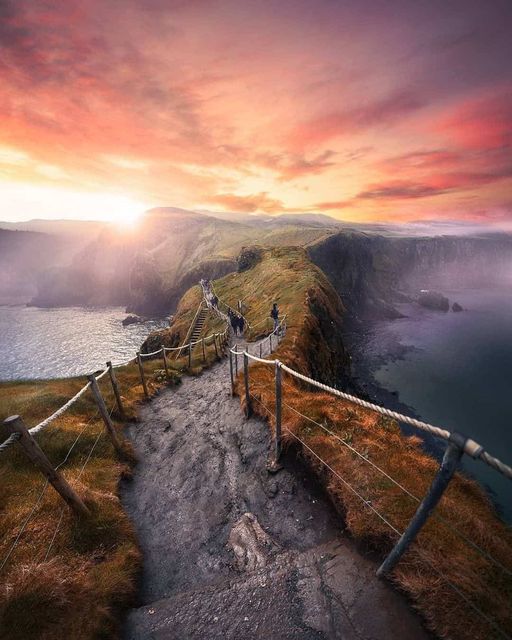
(270, 338)
(190, 355)
(452, 455)
(164, 357)
(115, 389)
(109, 425)
(278, 410)
(236, 360)
(215, 344)
(231, 372)
(204, 350)
(142, 375)
(15, 425)
(261, 350)
(248, 409)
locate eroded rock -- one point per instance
(250, 544)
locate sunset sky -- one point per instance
(362, 109)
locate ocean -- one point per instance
(451, 369)
(64, 342)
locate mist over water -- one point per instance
(452, 369)
(64, 342)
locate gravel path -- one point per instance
(212, 571)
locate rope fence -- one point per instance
(19, 434)
(457, 445)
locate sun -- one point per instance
(25, 200)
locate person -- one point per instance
(232, 320)
(241, 324)
(215, 301)
(274, 314)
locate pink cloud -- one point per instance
(484, 122)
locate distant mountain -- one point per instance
(148, 268)
(89, 228)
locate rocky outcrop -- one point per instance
(131, 319)
(456, 307)
(248, 258)
(434, 300)
(372, 273)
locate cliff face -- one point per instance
(332, 429)
(25, 255)
(149, 268)
(371, 272)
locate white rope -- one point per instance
(459, 592)
(42, 425)
(102, 374)
(47, 421)
(470, 447)
(436, 515)
(153, 353)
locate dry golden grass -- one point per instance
(310, 305)
(69, 577)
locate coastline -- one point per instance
(380, 346)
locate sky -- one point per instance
(366, 110)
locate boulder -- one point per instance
(434, 300)
(456, 307)
(131, 319)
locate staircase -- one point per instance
(197, 328)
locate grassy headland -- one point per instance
(69, 577)
(313, 346)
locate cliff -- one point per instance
(148, 268)
(315, 315)
(371, 272)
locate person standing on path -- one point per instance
(274, 314)
(241, 324)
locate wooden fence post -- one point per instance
(204, 351)
(451, 458)
(109, 425)
(142, 375)
(236, 360)
(248, 409)
(270, 337)
(190, 355)
(261, 349)
(215, 344)
(278, 410)
(115, 388)
(231, 372)
(15, 425)
(165, 361)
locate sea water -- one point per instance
(455, 371)
(70, 341)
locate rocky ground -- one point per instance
(231, 551)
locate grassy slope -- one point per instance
(89, 575)
(287, 276)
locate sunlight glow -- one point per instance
(23, 201)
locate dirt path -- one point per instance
(212, 571)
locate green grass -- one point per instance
(70, 577)
(314, 315)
